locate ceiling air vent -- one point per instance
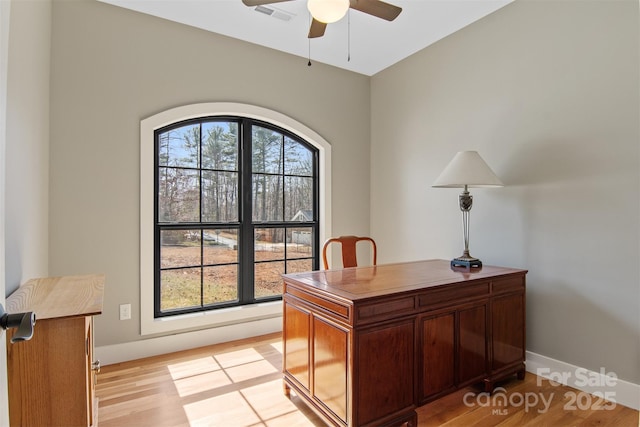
(275, 13)
(265, 10)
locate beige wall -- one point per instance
(27, 145)
(111, 68)
(547, 92)
(25, 29)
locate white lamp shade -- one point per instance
(467, 168)
(328, 11)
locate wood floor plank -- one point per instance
(239, 384)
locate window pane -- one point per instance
(220, 146)
(268, 280)
(267, 197)
(179, 288)
(267, 150)
(299, 198)
(220, 246)
(269, 243)
(179, 248)
(179, 147)
(298, 159)
(220, 284)
(219, 196)
(299, 242)
(299, 266)
(178, 195)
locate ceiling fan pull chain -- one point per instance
(309, 63)
(349, 35)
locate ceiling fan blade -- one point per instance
(252, 3)
(317, 29)
(376, 8)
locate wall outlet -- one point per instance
(125, 311)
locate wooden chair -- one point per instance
(348, 243)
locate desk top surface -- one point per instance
(366, 282)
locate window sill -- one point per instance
(215, 318)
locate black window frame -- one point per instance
(245, 224)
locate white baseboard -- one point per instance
(604, 383)
(117, 353)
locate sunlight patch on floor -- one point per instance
(223, 410)
(202, 383)
(250, 370)
(267, 400)
(260, 405)
(277, 346)
(193, 367)
(238, 357)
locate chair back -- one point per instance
(349, 255)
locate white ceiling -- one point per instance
(374, 44)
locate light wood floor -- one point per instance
(239, 384)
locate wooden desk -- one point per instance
(365, 346)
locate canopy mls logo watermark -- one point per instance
(600, 399)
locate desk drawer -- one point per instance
(508, 285)
(385, 309)
(327, 305)
(452, 294)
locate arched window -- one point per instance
(236, 207)
(236, 202)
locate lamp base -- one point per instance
(466, 261)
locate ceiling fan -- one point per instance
(325, 12)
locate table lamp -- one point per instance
(467, 169)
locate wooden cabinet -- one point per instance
(453, 351)
(438, 361)
(507, 327)
(384, 373)
(329, 368)
(472, 344)
(325, 360)
(51, 377)
(365, 346)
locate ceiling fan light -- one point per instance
(328, 11)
